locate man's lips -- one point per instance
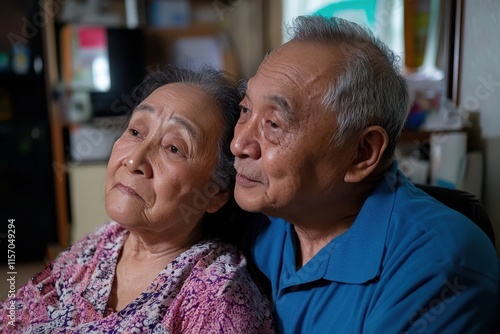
(246, 176)
(245, 180)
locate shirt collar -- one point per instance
(356, 255)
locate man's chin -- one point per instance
(248, 203)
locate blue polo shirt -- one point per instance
(408, 264)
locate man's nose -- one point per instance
(245, 143)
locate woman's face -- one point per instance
(159, 176)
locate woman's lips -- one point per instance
(125, 189)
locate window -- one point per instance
(383, 17)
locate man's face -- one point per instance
(285, 159)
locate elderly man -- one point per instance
(348, 244)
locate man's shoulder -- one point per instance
(435, 233)
(417, 212)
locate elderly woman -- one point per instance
(154, 268)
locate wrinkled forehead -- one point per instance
(300, 72)
(179, 101)
(307, 58)
(184, 97)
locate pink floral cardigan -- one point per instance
(206, 289)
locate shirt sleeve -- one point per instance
(28, 305)
(432, 290)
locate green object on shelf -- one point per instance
(350, 9)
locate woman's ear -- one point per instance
(370, 147)
(217, 201)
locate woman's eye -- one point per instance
(243, 111)
(173, 149)
(134, 132)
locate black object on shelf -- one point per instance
(127, 66)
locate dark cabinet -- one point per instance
(26, 175)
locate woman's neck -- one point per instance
(141, 260)
(146, 248)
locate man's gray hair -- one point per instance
(367, 88)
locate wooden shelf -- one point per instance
(196, 29)
(413, 136)
(160, 43)
(10, 78)
(419, 136)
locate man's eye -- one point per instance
(134, 132)
(273, 125)
(244, 114)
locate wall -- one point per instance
(86, 184)
(480, 90)
(245, 22)
(254, 30)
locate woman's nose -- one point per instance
(138, 162)
(245, 142)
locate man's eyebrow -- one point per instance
(284, 106)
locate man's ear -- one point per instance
(370, 147)
(217, 201)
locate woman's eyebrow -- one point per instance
(145, 107)
(191, 129)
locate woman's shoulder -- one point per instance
(223, 272)
(107, 238)
(216, 256)
(216, 267)
(219, 288)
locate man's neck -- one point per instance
(311, 241)
(327, 221)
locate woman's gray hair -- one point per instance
(367, 88)
(222, 89)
